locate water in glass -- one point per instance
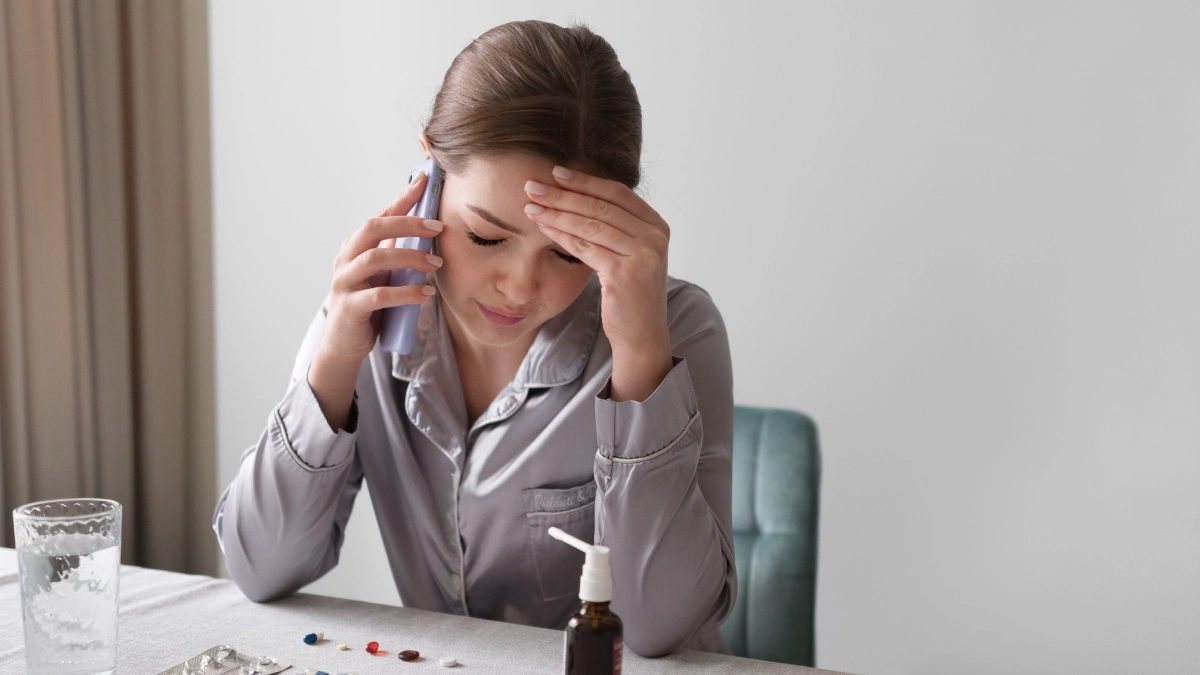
(69, 588)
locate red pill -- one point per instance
(409, 655)
(372, 647)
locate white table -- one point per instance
(166, 617)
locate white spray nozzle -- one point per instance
(595, 585)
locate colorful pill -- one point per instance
(409, 655)
(372, 647)
(313, 638)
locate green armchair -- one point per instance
(776, 493)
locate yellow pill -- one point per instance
(343, 647)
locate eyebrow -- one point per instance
(488, 216)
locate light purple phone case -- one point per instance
(400, 323)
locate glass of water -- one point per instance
(69, 557)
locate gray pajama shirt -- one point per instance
(464, 511)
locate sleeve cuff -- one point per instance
(307, 433)
(634, 430)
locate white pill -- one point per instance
(448, 662)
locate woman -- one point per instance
(559, 377)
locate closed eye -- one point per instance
(480, 241)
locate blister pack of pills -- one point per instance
(225, 660)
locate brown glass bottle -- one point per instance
(593, 641)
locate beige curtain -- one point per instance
(106, 342)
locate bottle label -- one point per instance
(617, 656)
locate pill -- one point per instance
(343, 647)
(409, 655)
(372, 647)
(448, 661)
(313, 638)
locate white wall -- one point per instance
(963, 238)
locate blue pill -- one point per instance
(310, 639)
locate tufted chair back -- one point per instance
(776, 490)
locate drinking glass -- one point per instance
(69, 557)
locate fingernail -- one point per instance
(416, 177)
(432, 225)
(428, 290)
(534, 209)
(563, 172)
(535, 188)
(434, 260)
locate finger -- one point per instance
(594, 256)
(587, 206)
(377, 260)
(383, 228)
(408, 197)
(609, 190)
(382, 297)
(581, 227)
(379, 278)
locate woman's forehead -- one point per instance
(506, 168)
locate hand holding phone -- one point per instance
(360, 294)
(399, 328)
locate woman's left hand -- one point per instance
(615, 232)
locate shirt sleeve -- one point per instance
(664, 471)
(280, 523)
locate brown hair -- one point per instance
(537, 87)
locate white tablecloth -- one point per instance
(168, 617)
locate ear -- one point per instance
(424, 138)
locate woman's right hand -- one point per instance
(360, 292)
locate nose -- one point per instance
(519, 283)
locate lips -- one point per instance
(499, 316)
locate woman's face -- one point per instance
(502, 278)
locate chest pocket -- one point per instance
(572, 510)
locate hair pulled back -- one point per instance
(533, 86)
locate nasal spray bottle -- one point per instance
(592, 642)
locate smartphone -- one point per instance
(399, 329)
